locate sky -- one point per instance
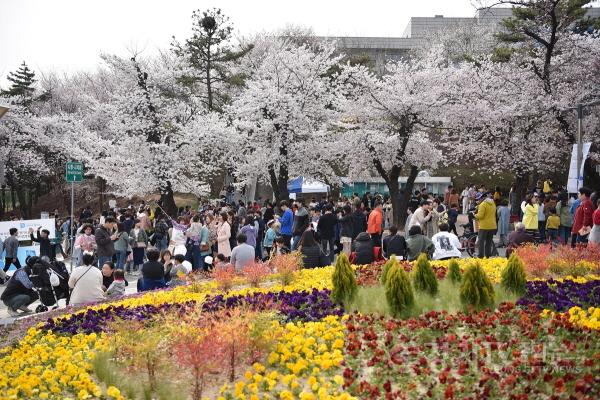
(69, 35)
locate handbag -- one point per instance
(204, 247)
(584, 231)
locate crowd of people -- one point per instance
(159, 249)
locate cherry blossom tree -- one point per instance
(389, 123)
(281, 116)
(142, 139)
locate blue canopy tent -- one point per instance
(302, 185)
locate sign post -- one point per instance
(74, 174)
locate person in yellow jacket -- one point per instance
(486, 216)
(547, 186)
(530, 213)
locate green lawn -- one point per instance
(371, 299)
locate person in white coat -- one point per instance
(223, 235)
(86, 282)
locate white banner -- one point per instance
(572, 184)
(24, 225)
(22, 254)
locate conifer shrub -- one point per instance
(344, 282)
(476, 289)
(398, 291)
(513, 275)
(454, 271)
(424, 278)
(386, 268)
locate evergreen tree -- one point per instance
(424, 278)
(454, 271)
(210, 56)
(22, 83)
(513, 276)
(393, 261)
(476, 289)
(540, 24)
(398, 291)
(344, 282)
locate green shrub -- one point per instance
(424, 278)
(476, 289)
(513, 276)
(398, 291)
(386, 268)
(344, 281)
(454, 271)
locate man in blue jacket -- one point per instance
(287, 222)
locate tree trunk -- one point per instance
(167, 201)
(279, 184)
(22, 196)
(401, 212)
(522, 182)
(101, 190)
(12, 198)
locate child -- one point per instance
(269, 238)
(552, 224)
(219, 261)
(117, 287)
(280, 247)
(178, 272)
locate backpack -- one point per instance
(160, 231)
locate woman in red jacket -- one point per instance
(595, 233)
(582, 222)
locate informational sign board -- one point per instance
(74, 172)
(576, 177)
(24, 225)
(22, 254)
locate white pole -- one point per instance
(72, 224)
(579, 144)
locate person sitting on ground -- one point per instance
(279, 247)
(167, 261)
(362, 247)
(178, 271)
(518, 238)
(312, 254)
(242, 254)
(417, 243)
(153, 272)
(107, 274)
(446, 244)
(219, 261)
(86, 282)
(394, 244)
(117, 287)
(19, 292)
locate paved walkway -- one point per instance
(132, 288)
(6, 319)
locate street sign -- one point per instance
(74, 172)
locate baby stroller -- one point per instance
(48, 288)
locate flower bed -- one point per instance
(561, 296)
(293, 342)
(509, 353)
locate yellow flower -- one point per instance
(113, 392)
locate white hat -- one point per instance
(187, 265)
(208, 260)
